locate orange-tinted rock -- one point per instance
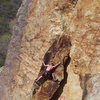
(85, 60)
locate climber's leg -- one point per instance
(54, 78)
(38, 78)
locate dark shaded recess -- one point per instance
(46, 60)
(59, 44)
(49, 54)
(64, 81)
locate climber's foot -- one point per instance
(37, 82)
(55, 80)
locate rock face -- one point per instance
(39, 24)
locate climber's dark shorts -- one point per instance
(48, 74)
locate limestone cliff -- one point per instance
(39, 24)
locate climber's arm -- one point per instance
(57, 65)
(44, 64)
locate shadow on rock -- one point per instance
(63, 82)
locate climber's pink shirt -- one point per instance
(49, 67)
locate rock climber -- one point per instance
(48, 71)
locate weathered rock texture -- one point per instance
(34, 34)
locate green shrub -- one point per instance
(4, 41)
(8, 10)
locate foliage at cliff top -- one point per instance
(8, 9)
(4, 41)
